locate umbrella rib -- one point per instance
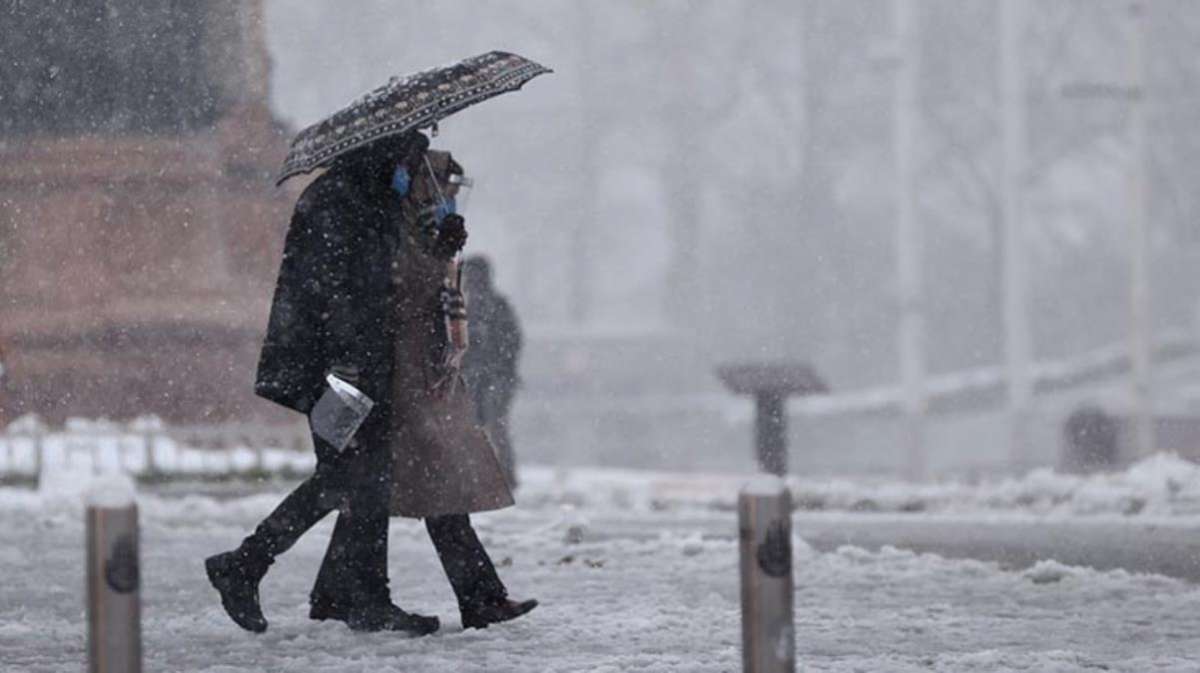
(496, 72)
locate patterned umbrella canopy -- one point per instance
(405, 104)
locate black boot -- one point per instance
(235, 575)
(381, 617)
(321, 609)
(479, 615)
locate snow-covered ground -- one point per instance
(652, 586)
(1160, 486)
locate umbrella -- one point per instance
(406, 104)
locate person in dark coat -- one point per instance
(490, 365)
(333, 312)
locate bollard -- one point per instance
(113, 578)
(770, 432)
(765, 536)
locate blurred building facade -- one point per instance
(139, 227)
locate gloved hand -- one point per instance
(451, 236)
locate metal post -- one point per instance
(770, 432)
(765, 536)
(579, 268)
(113, 580)
(909, 236)
(1139, 249)
(1017, 340)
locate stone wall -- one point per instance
(136, 268)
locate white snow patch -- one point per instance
(64, 489)
(1049, 571)
(111, 491)
(764, 486)
(26, 423)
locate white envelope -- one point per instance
(339, 413)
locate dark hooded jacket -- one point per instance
(490, 365)
(333, 301)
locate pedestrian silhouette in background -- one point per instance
(1092, 440)
(490, 366)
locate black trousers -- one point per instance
(355, 571)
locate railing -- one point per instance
(847, 432)
(149, 450)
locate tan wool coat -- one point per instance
(443, 462)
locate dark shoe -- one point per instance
(387, 617)
(479, 616)
(322, 610)
(237, 582)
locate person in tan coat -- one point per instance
(443, 465)
(442, 461)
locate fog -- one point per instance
(696, 183)
(719, 181)
(727, 166)
(886, 312)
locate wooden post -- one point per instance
(113, 578)
(765, 536)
